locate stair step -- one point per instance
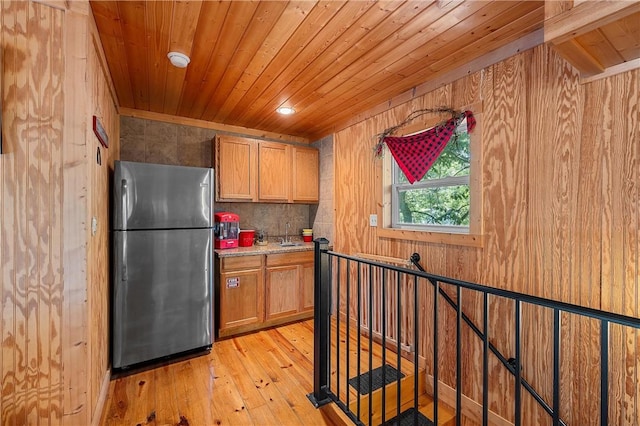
(446, 415)
(333, 415)
(407, 387)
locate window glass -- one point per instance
(440, 201)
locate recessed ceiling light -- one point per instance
(284, 110)
(178, 59)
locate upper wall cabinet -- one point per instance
(306, 175)
(251, 170)
(235, 161)
(274, 172)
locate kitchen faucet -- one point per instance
(286, 238)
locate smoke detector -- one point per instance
(178, 59)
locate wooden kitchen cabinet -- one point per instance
(252, 170)
(289, 284)
(259, 291)
(282, 291)
(240, 293)
(274, 171)
(306, 175)
(307, 293)
(235, 161)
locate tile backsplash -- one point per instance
(270, 218)
(167, 143)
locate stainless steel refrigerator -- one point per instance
(162, 237)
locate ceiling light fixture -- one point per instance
(178, 59)
(285, 110)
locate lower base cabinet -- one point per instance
(282, 294)
(240, 293)
(260, 291)
(289, 276)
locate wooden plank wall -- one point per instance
(32, 198)
(102, 106)
(561, 176)
(54, 289)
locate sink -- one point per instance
(289, 244)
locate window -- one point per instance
(444, 207)
(441, 200)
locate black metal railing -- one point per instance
(391, 294)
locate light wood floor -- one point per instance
(256, 379)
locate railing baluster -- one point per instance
(399, 354)
(518, 372)
(485, 361)
(359, 341)
(384, 340)
(556, 367)
(371, 343)
(604, 372)
(338, 331)
(459, 357)
(416, 340)
(436, 290)
(348, 327)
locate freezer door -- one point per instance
(157, 196)
(162, 293)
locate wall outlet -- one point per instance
(373, 220)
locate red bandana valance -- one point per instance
(416, 154)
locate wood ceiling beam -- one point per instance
(585, 17)
(580, 58)
(239, 130)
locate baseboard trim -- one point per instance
(102, 398)
(470, 408)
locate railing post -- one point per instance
(321, 324)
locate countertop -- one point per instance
(270, 248)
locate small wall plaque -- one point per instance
(100, 132)
(233, 282)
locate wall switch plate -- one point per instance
(373, 220)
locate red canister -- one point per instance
(246, 237)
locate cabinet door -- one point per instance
(274, 171)
(241, 298)
(306, 287)
(282, 291)
(306, 167)
(235, 163)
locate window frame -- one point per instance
(444, 234)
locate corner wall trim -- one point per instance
(102, 399)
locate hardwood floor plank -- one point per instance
(290, 358)
(301, 337)
(133, 399)
(261, 378)
(166, 406)
(262, 370)
(194, 391)
(228, 367)
(290, 382)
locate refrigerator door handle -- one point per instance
(124, 195)
(125, 276)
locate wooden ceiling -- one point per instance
(330, 60)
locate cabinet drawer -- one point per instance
(241, 262)
(290, 258)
